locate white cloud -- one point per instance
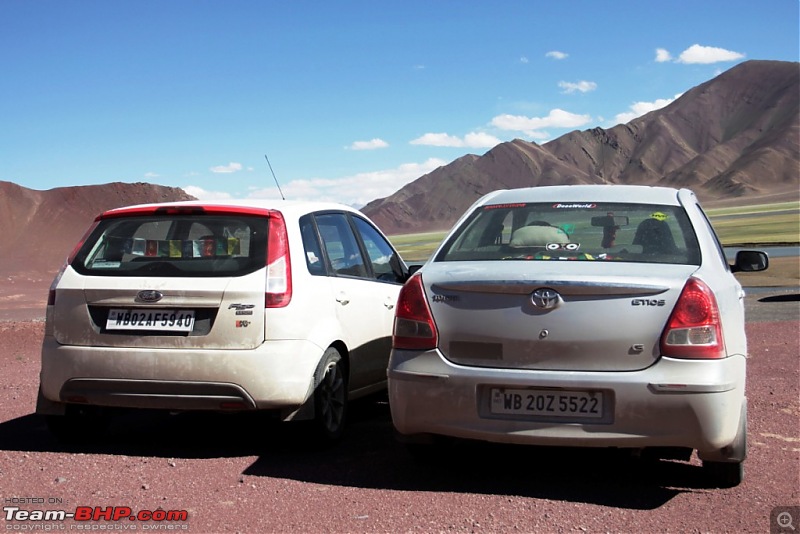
(555, 54)
(707, 54)
(471, 140)
(638, 109)
(557, 118)
(663, 55)
(523, 59)
(369, 145)
(202, 194)
(226, 169)
(582, 86)
(355, 190)
(150, 175)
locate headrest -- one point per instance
(538, 236)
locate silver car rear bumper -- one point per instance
(673, 403)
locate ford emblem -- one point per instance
(149, 295)
(545, 298)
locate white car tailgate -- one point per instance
(212, 313)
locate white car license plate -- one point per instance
(161, 320)
(547, 402)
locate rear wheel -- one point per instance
(725, 474)
(330, 397)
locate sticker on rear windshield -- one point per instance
(575, 206)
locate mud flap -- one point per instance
(736, 452)
(45, 406)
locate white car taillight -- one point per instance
(414, 328)
(51, 295)
(279, 274)
(694, 329)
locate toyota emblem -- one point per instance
(545, 298)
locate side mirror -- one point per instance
(610, 220)
(750, 261)
(414, 268)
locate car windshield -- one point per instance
(575, 231)
(175, 245)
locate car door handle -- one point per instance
(342, 299)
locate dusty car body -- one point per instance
(598, 316)
(281, 306)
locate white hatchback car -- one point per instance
(236, 306)
(598, 316)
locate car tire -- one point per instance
(79, 424)
(724, 474)
(330, 397)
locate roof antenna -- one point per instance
(274, 177)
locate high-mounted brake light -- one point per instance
(279, 274)
(694, 330)
(414, 328)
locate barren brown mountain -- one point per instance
(40, 228)
(736, 136)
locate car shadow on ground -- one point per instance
(369, 456)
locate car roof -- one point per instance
(294, 208)
(587, 193)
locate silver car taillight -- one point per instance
(414, 328)
(694, 330)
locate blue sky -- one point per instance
(349, 100)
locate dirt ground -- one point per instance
(238, 473)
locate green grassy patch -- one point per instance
(764, 224)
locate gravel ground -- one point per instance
(240, 473)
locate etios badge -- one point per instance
(545, 298)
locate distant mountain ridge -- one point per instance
(40, 228)
(735, 136)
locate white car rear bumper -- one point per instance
(277, 374)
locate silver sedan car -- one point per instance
(592, 316)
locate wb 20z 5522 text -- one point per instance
(553, 403)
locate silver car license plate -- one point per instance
(160, 320)
(547, 402)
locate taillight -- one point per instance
(414, 328)
(51, 294)
(693, 329)
(279, 275)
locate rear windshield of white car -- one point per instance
(584, 231)
(175, 246)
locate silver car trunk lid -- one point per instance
(552, 315)
(215, 313)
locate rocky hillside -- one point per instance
(40, 228)
(736, 136)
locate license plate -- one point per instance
(547, 402)
(160, 320)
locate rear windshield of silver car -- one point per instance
(579, 231)
(175, 246)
